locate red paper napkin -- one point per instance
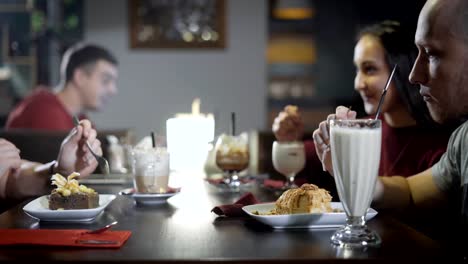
(235, 209)
(61, 237)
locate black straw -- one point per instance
(153, 140)
(379, 107)
(233, 123)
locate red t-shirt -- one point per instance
(41, 110)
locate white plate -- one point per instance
(325, 220)
(152, 198)
(39, 208)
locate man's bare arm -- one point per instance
(31, 179)
(398, 192)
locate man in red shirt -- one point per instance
(88, 80)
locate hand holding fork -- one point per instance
(103, 163)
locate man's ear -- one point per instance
(79, 77)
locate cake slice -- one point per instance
(69, 194)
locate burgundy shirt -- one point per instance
(41, 110)
(409, 150)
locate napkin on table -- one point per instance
(235, 209)
(61, 237)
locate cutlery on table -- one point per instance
(102, 229)
(96, 242)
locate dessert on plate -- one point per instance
(308, 198)
(69, 194)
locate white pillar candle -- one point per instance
(188, 135)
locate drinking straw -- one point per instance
(153, 139)
(379, 108)
(233, 123)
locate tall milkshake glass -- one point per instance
(355, 149)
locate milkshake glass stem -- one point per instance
(290, 182)
(355, 234)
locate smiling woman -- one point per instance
(404, 113)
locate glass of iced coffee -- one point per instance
(355, 150)
(151, 170)
(232, 156)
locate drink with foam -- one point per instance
(232, 156)
(288, 159)
(355, 149)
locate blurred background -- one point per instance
(272, 53)
(204, 58)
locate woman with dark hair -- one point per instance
(398, 48)
(406, 123)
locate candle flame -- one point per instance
(196, 106)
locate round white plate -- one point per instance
(152, 198)
(39, 209)
(325, 220)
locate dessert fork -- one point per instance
(96, 242)
(102, 229)
(103, 163)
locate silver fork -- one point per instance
(103, 163)
(102, 229)
(98, 241)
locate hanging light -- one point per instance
(293, 9)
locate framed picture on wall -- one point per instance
(177, 23)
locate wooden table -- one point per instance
(184, 230)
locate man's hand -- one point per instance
(321, 136)
(288, 125)
(74, 155)
(9, 157)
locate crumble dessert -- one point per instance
(308, 198)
